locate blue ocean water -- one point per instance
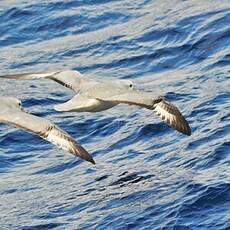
(147, 175)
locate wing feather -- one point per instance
(172, 116)
(70, 79)
(164, 109)
(46, 130)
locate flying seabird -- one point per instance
(94, 95)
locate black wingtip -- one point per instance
(186, 129)
(83, 154)
(187, 132)
(90, 159)
(183, 131)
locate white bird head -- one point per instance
(11, 102)
(127, 84)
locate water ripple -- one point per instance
(147, 175)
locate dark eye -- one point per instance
(131, 85)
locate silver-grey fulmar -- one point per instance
(11, 112)
(95, 95)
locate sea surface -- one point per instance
(147, 175)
